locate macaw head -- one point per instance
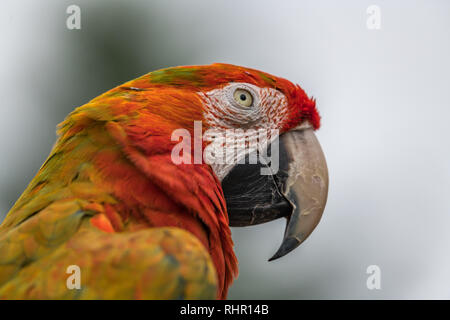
(283, 174)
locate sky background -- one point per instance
(383, 96)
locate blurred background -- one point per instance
(383, 96)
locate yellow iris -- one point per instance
(243, 97)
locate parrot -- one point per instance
(112, 204)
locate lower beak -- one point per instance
(297, 191)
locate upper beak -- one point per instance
(297, 191)
(306, 186)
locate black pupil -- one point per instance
(243, 97)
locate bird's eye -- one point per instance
(243, 97)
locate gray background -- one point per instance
(383, 95)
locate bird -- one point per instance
(134, 205)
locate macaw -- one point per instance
(111, 201)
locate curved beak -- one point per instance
(297, 190)
(306, 186)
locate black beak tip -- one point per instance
(287, 246)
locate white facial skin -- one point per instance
(229, 108)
